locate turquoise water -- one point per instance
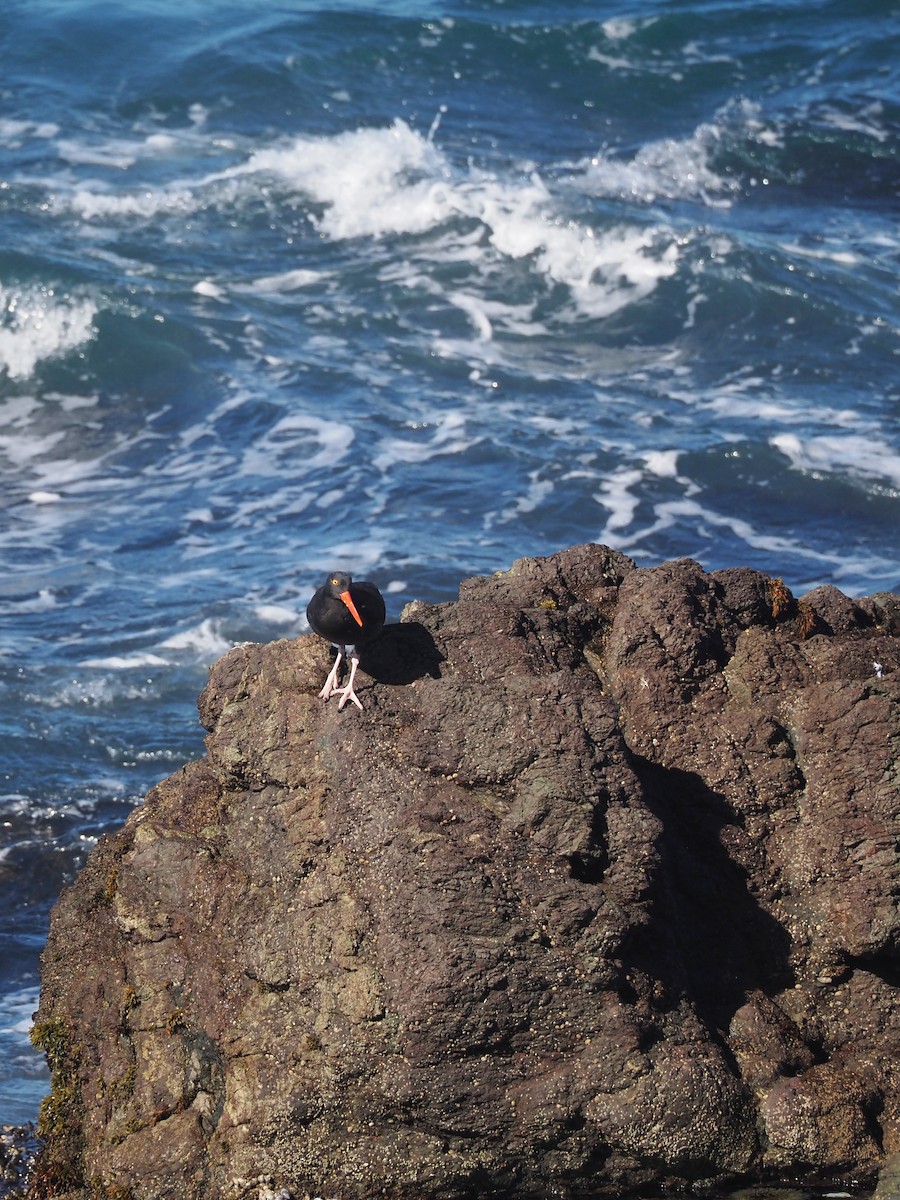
(411, 291)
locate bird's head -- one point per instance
(339, 585)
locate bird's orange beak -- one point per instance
(347, 599)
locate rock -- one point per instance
(889, 1179)
(598, 893)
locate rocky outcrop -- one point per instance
(600, 890)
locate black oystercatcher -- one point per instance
(347, 614)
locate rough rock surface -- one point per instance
(600, 891)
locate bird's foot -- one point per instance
(347, 692)
(330, 686)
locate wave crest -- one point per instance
(36, 325)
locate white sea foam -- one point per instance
(663, 463)
(21, 448)
(866, 121)
(356, 556)
(602, 272)
(126, 662)
(14, 132)
(368, 183)
(287, 281)
(123, 152)
(304, 441)
(95, 688)
(670, 169)
(701, 515)
(537, 492)
(201, 643)
(619, 28)
(204, 642)
(845, 258)
(42, 602)
(112, 153)
(854, 454)
(254, 511)
(449, 436)
(275, 614)
(677, 168)
(616, 495)
(476, 310)
(206, 287)
(332, 496)
(16, 1009)
(374, 182)
(702, 519)
(371, 181)
(161, 143)
(100, 200)
(557, 426)
(36, 324)
(748, 397)
(487, 317)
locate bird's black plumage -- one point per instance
(347, 614)
(330, 616)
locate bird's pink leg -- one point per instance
(331, 682)
(347, 692)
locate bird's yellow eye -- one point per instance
(336, 582)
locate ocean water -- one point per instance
(413, 289)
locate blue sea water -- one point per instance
(413, 289)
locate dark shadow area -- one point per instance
(401, 653)
(709, 937)
(590, 866)
(885, 967)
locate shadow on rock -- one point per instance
(725, 944)
(402, 653)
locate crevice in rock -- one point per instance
(590, 866)
(885, 967)
(873, 1111)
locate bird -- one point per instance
(346, 614)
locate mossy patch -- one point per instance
(59, 1164)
